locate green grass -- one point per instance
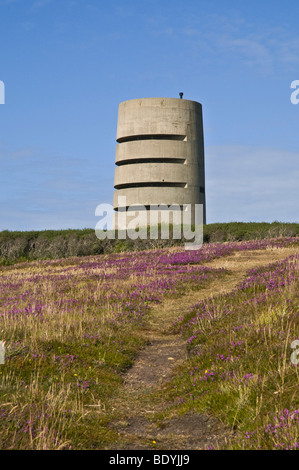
(60, 399)
(239, 366)
(72, 328)
(18, 246)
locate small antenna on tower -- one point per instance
(181, 95)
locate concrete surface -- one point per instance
(160, 153)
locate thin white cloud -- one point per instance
(253, 51)
(252, 183)
(39, 191)
(8, 2)
(41, 3)
(266, 48)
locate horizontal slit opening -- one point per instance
(160, 184)
(133, 161)
(138, 207)
(131, 138)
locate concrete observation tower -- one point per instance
(160, 154)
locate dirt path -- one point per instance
(141, 395)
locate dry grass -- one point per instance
(73, 327)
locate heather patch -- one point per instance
(239, 365)
(72, 327)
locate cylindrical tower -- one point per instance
(160, 153)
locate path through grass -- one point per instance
(73, 330)
(159, 406)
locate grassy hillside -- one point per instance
(73, 327)
(54, 244)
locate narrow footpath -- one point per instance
(142, 395)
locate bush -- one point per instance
(54, 244)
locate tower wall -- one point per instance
(160, 153)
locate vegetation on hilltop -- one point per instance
(54, 244)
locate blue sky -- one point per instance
(67, 64)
